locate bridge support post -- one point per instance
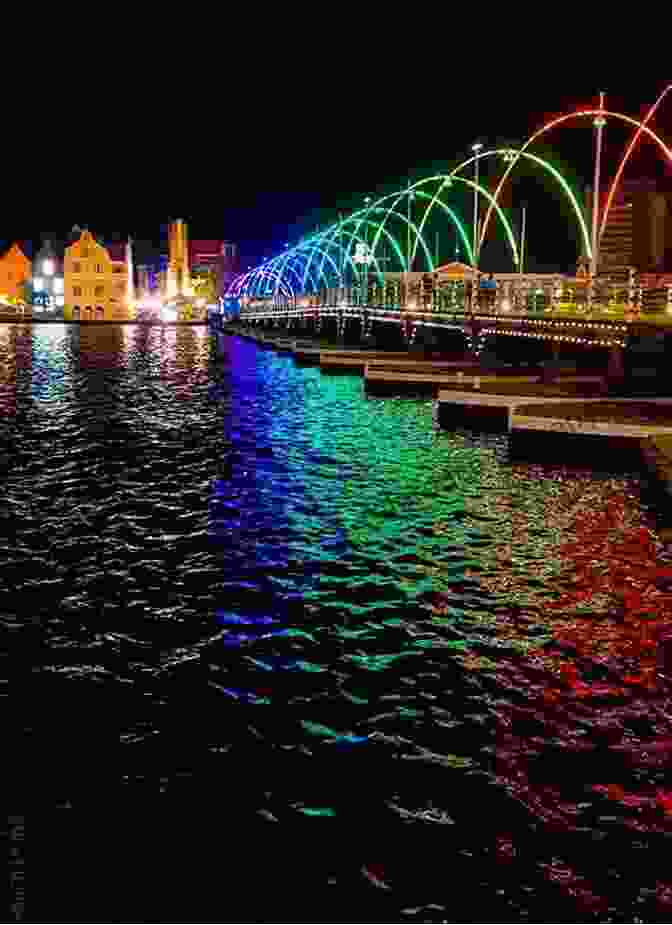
(550, 367)
(615, 367)
(340, 328)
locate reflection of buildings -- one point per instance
(8, 334)
(16, 355)
(638, 232)
(98, 280)
(15, 272)
(48, 283)
(100, 347)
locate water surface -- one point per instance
(246, 593)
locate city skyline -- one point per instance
(263, 198)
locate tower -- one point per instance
(130, 288)
(178, 277)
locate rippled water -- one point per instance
(245, 592)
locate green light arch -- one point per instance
(395, 246)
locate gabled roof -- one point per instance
(454, 268)
(19, 250)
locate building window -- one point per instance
(99, 290)
(99, 268)
(75, 313)
(77, 290)
(84, 252)
(76, 268)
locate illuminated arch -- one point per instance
(552, 124)
(262, 276)
(285, 259)
(446, 181)
(583, 227)
(235, 285)
(626, 157)
(288, 268)
(339, 228)
(288, 287)
(381, 227)
(453, 217)
(271, 269)
(296, 253)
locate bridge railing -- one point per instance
(623, 296)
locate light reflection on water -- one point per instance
(235, 556)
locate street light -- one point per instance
(365, 263)
(411, 198)
(476, 147)
(599, 124)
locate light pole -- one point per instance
(476, 147)
(411, 198)
(365, 264)
(599, 124)
(341, 258)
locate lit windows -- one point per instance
(99, 268)
(99, 290)
(77, 290)
(76, 268)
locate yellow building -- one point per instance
(15, 271)
(97, 281)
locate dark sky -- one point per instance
(258, 148)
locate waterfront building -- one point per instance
(219, 258)
(638, 232)
(195, 272)
(230, 265)
(48, 285)
(15, 273)
(98, 280)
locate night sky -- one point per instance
(273, 153)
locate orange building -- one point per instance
(15, 270)
(96, 282)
